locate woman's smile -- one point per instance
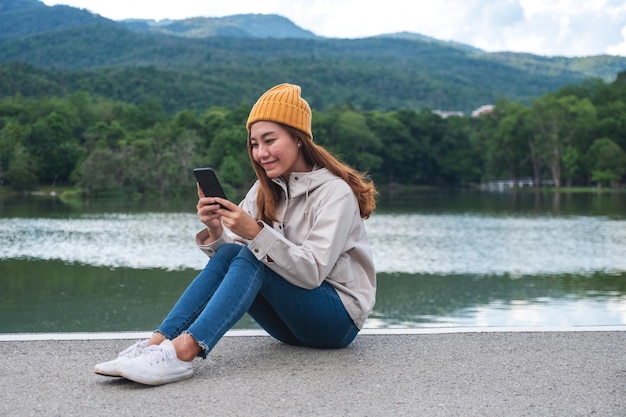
(275, 149)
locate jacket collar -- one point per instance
(301, 183)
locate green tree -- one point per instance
(81, 105)
(187, 120)
(607, 160)
(104, 169)
(227, 142)
(141, 116)
(57, 150)
(398, 165)
(458, 158)
(21, 171)
(178, 163)
(104, 134)
(556, 123)
(612, 121)
(571, 163)
(424, 128)
(232, 172)
(11, 136)
(506, 145)
(353, 141)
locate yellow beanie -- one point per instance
(283, 104)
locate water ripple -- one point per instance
(457, 244)
(408, 243)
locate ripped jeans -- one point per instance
(235, 282)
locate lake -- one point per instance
(443, 258)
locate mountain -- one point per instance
(200, 62)
(239, 26)
(423, 38)
(601, 66)
(20, 18)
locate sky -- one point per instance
(573, 28)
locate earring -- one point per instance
(299, 144)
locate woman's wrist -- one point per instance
(213, 235)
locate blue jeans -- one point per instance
(235, 282)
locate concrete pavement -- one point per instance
(445, 372)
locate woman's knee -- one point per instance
(228, 251)
(246, 253)
(223, 257)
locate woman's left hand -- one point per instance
(237, 220)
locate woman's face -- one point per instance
(276, 150)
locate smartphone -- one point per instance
(209, 184)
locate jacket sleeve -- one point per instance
(308, 264)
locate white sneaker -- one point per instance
(110, 368)
(157, 366)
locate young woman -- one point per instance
(294, 254)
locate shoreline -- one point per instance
(126, 335)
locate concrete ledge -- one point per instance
(15, 337)
(461, 373)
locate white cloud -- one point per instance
(502, 13)
(619, 48)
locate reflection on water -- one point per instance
(443, 259)
(408, 300)
(51, 296)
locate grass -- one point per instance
(574, 190)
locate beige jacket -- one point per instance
(319, 236)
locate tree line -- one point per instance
(574, 136)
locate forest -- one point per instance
(575, 136)
(99, 106)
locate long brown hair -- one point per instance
(269, 194)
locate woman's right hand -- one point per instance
(207, 213)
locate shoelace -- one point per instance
(133, 350)
(157, 354)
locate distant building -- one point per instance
(502, 185)
(486, 109)
(446, 114)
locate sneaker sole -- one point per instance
(109, 374)
(143, 381)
